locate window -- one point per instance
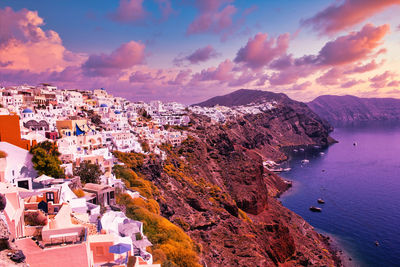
(50, 196)
(99, 251)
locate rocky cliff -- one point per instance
(347, 110)
(214, 186)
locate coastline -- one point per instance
(344, 257)
(339, 254)
(336, 249)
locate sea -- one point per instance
(359, 180)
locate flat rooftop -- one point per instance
(60, 256)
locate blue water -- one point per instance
(361, 189)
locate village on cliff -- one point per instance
(47, 220)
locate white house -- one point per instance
(17, 167)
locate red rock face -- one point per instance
(215, 187)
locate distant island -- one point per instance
(352, 110)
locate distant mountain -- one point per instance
(247, 96)
(346, 110)
(242, 97)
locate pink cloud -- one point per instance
(331, 77)
(24, 45)
(394, 84)
(244, 78)
(221, 73)
(342, 55)
(381, 80)
(129, 11)
(213, 16)
(285, 61)
(291, 74)
(215, 22)
(365, 68)
(352, 47)
(166, 8)
(182, 77)
(259, 51)
(344, 14)
(140, 77)
(200, 55)
(124, 57)
(350, 83)
(301, 87)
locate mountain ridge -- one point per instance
(249, 96)
(349, 109)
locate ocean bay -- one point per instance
(359, 180)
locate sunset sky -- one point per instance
(188, 51)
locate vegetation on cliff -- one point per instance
(171, 245)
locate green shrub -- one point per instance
(45, 160)
(88, 172)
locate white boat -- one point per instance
(321, 153)
(305, 161)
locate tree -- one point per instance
(45, 159)
(88, 172)
(50, 147)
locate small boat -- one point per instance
(295, 150)
(287, 169)
(301, 149)
(275, 169)
(321, 201)
(377, 243)
(315, 209)
(289, 183)
(355, 143)
(321, 153)
(305, 161)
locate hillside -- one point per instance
(215, 188)
(346, 110)
(244, 97)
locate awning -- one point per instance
(120, 248)
(78, 130)
(43, 179)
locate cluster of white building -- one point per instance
(89, 125)
(85, 126)
(222, 113)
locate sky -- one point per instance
(191, 50)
